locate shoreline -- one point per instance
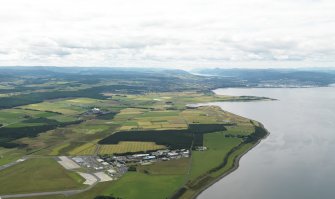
(236, 164)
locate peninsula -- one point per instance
(116, 140)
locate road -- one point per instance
(13, 163)
(66, 193)
(8, 124)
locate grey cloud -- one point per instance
(110, 43)
(126, 32)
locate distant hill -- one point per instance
(276, 77)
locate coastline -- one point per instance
(236, 161)
(236, 164)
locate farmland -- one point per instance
(173, 167)
(147, 127)
(172, 138)
(124, 147)
(97, 115)
(160, 186)
(85, 149)
(217, 149)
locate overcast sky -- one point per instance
(169, 33)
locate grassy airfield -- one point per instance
(66, 127)
(37, 175)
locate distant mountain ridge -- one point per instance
(276, 77)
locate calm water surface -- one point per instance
(297, 160)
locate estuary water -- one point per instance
(297, 159)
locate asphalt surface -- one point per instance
(66, 193)
(13, 163)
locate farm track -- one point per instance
(97, 149)
(8, 124)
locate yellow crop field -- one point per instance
(133, 111)
(60, 107)
(144, 123)
(171, 126)
(156, 127)
(56, 150)
(88, 151)
(124, 147)
(126, 128)
(83, 101)
(85, 149)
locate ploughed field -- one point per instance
(121, 124)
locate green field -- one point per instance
(14, 116)
(244, 148)
(218, 147)
(194, 187)
(37, 175)
(58, 106)
(136, 185)
(9, 155)
(133, 185)
(91, 194)
(171, 167)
